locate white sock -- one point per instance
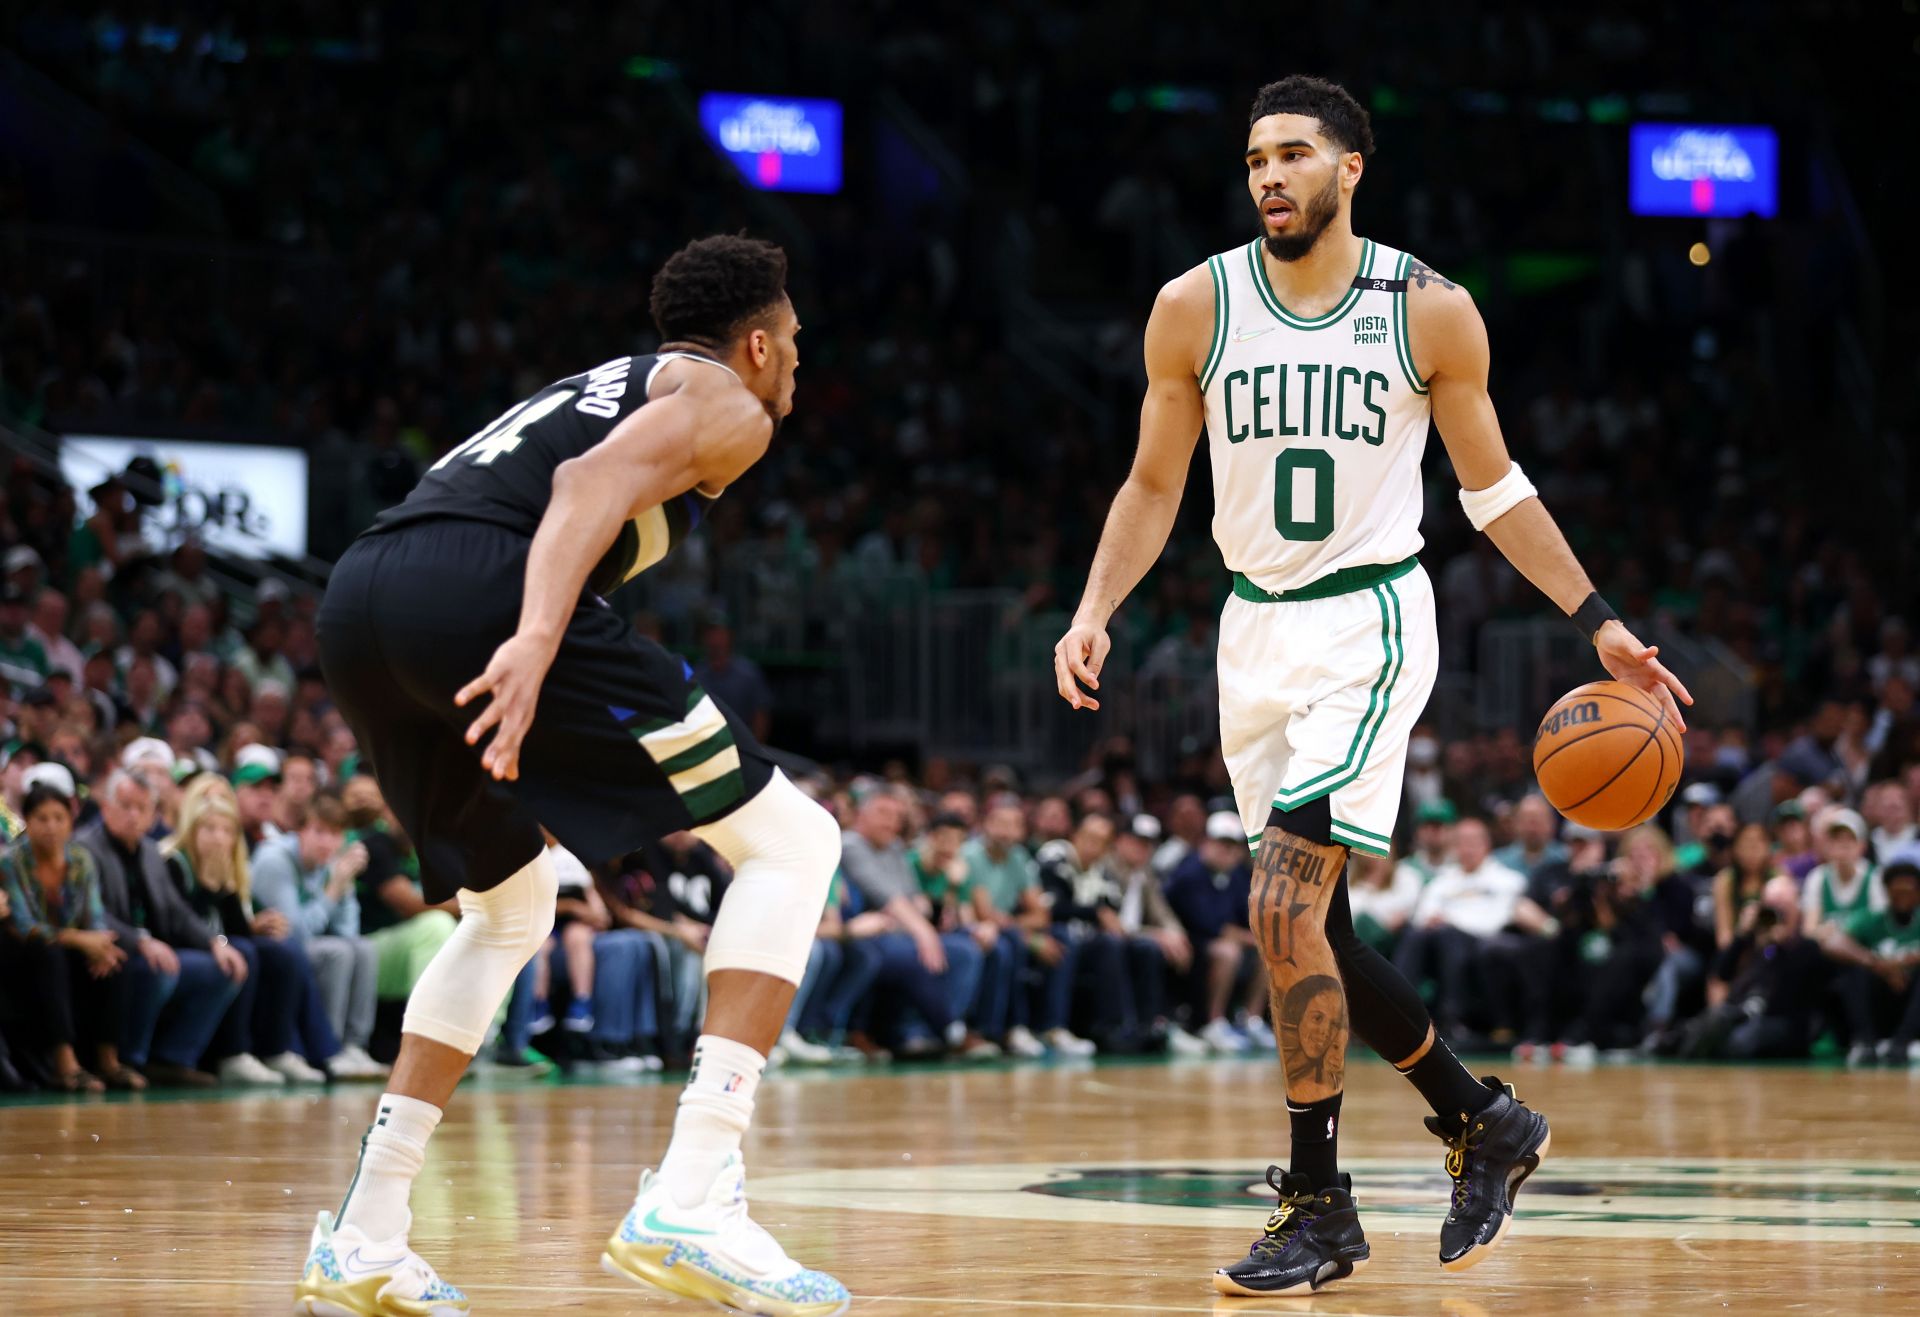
(715, 1109)
(391, 1154)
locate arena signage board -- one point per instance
(778, 144)
(248, 499)
(1703, 169)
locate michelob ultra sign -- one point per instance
(1703, 169)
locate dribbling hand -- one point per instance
(512, 680)
(1622, 655)
(1077, 660)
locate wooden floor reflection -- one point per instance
(1074, 1190)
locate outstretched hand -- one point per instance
(512, 680)
(1639, 665)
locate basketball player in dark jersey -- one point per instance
(494, 692)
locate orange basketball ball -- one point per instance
(1607, 755)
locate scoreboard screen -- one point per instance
(1703, 169)
(778, 144)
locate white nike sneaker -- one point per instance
(799, 1050)
(1182, 1043)
(295, 1068)
(1068, 1043)
(354, 1063)
(246, 1068)
(715, 1251)
(347, 1276)
(1224, 1039)
(1258, 1033)
(1021, 1042)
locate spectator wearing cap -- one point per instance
(1208, 892)
(152, 760)
(1432, 842)
(24, 569)
(59, 954)
(180, 982)
(23, 662)
(1793, 840)
(1846, 882)
(1533, 822)
(1156, 942)
(207, 861)
(1696, 800)
(256, 786)
(49, 627)
(1006, 891)
(1880, 984)
(307, 875)
(737, 682)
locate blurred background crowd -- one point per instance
(361, 234)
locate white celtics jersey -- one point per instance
(1316, 427)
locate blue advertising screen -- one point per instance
(1703, 169)
(778, 144)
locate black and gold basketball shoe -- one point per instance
(1490, 1154)
(1312, 1239)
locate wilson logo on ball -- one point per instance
(1571, 716)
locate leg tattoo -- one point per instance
(1292, 881)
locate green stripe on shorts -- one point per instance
(1379, 700)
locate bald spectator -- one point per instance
(1534, 844)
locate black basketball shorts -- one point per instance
(625, 747)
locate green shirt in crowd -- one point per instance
(1879, 932)
(1004, 879)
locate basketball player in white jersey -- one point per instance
(1316, 358)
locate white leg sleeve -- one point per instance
(472, 974)
(783, 849)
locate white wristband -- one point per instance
(1485, 506)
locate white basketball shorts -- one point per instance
(1319, 695)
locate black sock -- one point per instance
(1449, 1087)
(1316, 1139)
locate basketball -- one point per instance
(1607, 756)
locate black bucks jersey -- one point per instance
(625, 746)
(504, 474)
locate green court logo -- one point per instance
(1652, 1198)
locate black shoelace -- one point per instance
(1460, 1147)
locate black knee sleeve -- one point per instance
(1312, 822)
(1384, 1008)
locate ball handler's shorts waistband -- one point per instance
(1345, 581)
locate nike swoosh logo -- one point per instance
(355, 1262)
(651, 1221)
(1242, 335)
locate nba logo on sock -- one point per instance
(733, 1084)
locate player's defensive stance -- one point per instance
(1316, 360)
(495, 566)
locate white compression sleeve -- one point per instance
(1485, 506)
(500, 929)
(783, 849)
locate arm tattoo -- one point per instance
(1312, 1024)
(1421, 273)
(1284, 876)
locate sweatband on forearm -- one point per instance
(1485, 506)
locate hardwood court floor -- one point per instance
(1109, 1189)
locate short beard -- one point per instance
(1312, 221)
